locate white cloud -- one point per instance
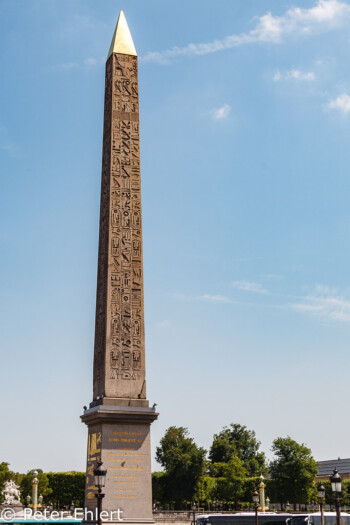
(325, 304)
(274, 277)
(205, 297)
(324, 16)
(293, 74)
(341, 103)
(163, 324)
(221, 113)
(214, 298)
(79, 27)
(90, 62)
(86, 64)
(94, 62)
(322, 304)
(248, 286)
(66, 66)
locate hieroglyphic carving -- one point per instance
(119, 339)
(102, 275)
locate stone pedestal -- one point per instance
(18, 510)
(119, 436)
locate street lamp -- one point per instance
(100, 480)
(256, 505)
(268, 504)
(194, 512)
(28, 500)
(335, 480)
(262, 493)
(41, 500)
(321, 494)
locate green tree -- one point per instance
(237, 440)
(293, 470)
(206, 490)
(159, 488)
(67, 487)
(43, 487)
(231, 480)
(250, 484)
(6, 474)
(183, 462)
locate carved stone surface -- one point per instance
(119, 358)
(119, 416)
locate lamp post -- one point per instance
(262, 493)
(35, 483)
(335, 480)
(321, 495)
(268, 503)
(41, 500)
(100, 480)
(256, 505)
(194, 512)
(28, 500)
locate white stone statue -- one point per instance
(11, 493)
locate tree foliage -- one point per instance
(206, 489)
(6, 474)
(67, 487)
(293, 471)
(159, 488)
(231, 480)
(238, 441)
(183, 462)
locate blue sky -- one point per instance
(245, 121)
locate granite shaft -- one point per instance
(119, 356)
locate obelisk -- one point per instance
(119, 416)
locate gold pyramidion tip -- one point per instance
(122, 41)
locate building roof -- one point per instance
(325, 468)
